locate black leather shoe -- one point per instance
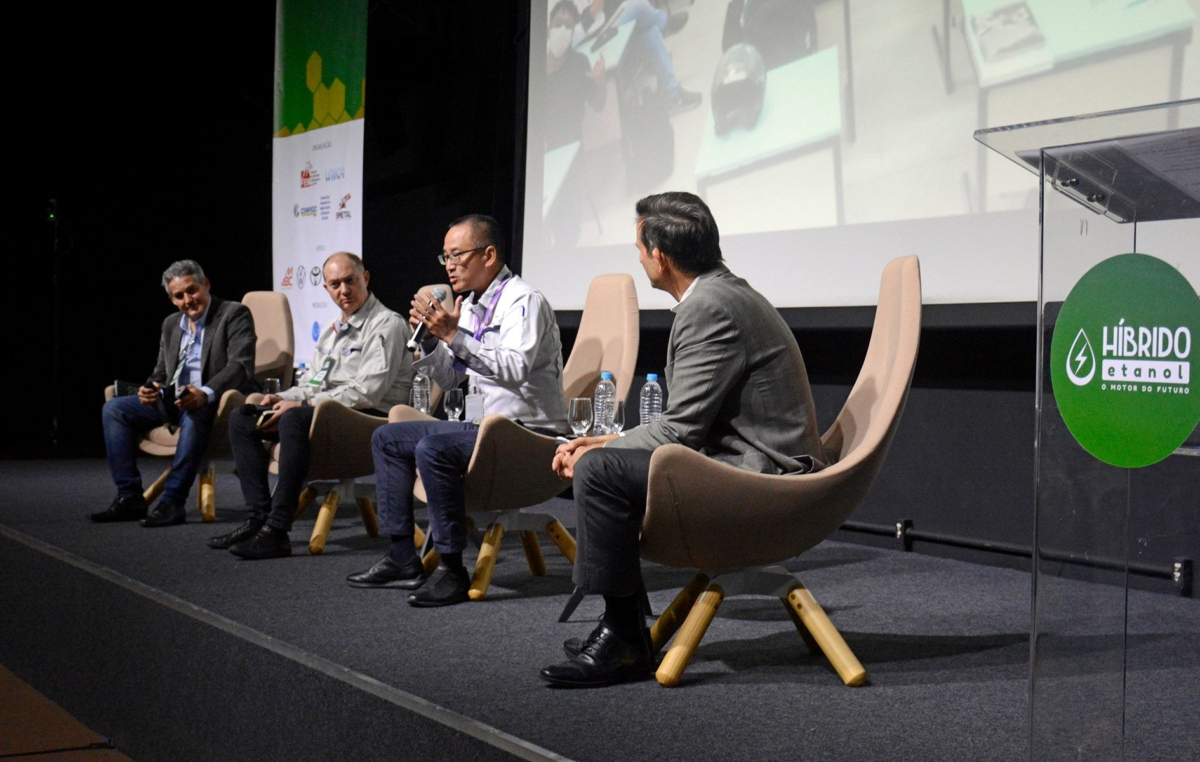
(129, 509)
(164, 514)
(229, 539)
(388, 573)
(604, 659)
(264, 544)
(572, 646)
(445, 587)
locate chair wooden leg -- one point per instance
(816, 621)
(367, 510)
(668, 622)
(562, 538)
(320, 532)
(813, 647)
(418, 537)
(485, 564)
(206, 495)
(533, 553)
(154, 490)
(430, 561)
(306, 497)
(694, 627)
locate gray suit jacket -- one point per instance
(737, 388)
(227, 355)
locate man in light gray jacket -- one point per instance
(738, 392)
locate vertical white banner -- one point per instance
(317, 179)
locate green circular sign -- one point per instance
(1122, 360)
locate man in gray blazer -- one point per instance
(204, 352)
(738, 392)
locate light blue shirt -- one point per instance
(194, 346)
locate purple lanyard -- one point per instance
(491, 310)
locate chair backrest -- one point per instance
(607, 337)
(688, 521)
(868, 420)
(275, 353)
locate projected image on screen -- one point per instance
(818, 131)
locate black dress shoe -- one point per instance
(164, 514)
(445, 587)
(127, 509)
(388, 573)
(604, 659)
(266, 543)
(229, 539)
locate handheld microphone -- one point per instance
(419, 334)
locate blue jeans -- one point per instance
(126, 417)
(440, 451)
(647, 43)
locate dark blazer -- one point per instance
(737, 387)
(227, 356)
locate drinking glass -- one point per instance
(452, 403)
(618, 420)
(579, 415)
(271, 386)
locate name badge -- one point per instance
(319, 378)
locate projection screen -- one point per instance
(853, 147)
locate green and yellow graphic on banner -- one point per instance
(320, 64)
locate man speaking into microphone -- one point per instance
(501, 339)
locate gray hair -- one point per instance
(181, 268)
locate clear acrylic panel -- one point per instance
(1115, 636)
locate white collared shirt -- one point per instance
(517, 360)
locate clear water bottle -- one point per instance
(604, 403)
(650, 408)
(420, 393)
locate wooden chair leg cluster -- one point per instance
(334, 492)
(206, 492)
(697, 604)
(528, 525)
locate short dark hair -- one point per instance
(565, 5)
(485, 231)
(681, 226)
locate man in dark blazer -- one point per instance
(203, 352)
(738, 392)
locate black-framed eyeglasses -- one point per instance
(457, 256)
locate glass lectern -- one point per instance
(1115, 635)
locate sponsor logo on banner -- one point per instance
(316, 276)
(309, 176)
(286, 281)
(336, 173)
(1121, 360)
(304, 211)
(316, 330)
(326, 205)
(300, 273)
(319, 146)
(343, 213)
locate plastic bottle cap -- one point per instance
(651, 376)
(606, 374)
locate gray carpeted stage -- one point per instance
(182, 652)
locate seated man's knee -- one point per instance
(294, 421)
(590, 467)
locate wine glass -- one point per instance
(452, 403)
(271, 386)
(618, 420)
(579, 415)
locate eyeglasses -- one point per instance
(457, 256)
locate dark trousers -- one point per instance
(610, 503)
(252, 460)
(440, 451)
(126, 417)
